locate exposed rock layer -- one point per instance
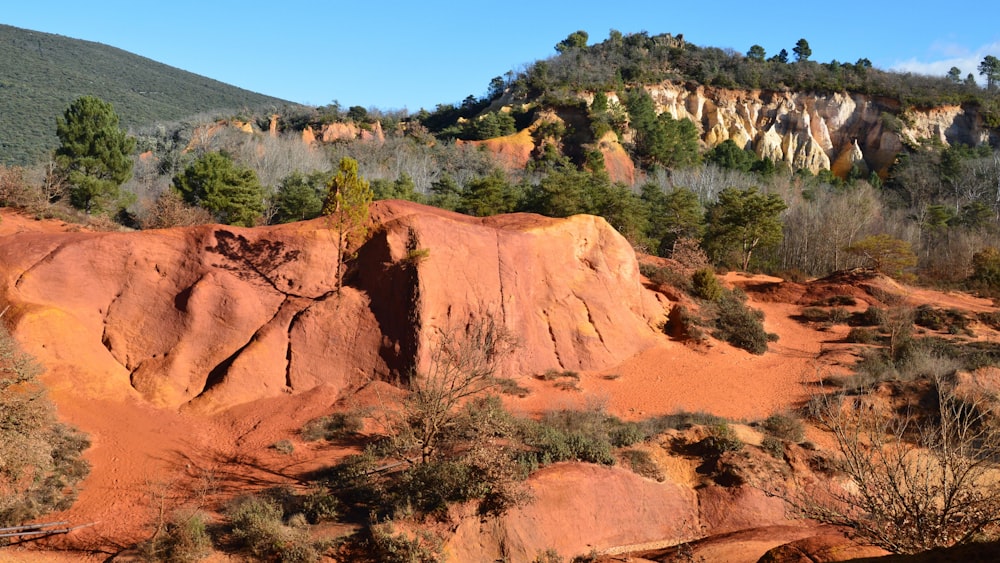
(210, 316)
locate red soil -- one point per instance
(145, 457)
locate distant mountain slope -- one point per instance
(42, 73)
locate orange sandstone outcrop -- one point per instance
(210, 317)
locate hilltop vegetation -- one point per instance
(639, 58)
(42, 73)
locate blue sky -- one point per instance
(408, 55)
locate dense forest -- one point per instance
(939, 203)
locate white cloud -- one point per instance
(957, 56)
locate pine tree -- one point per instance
(231, 193)
(347, 206)
(95, 155)
(802, 51)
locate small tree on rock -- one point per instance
(348, 202)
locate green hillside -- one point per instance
(42, 73)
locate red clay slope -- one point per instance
(210, 317)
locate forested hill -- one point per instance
(42, 73)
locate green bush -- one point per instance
(587, 435)
(951, 320)
(986, 271)
(706, 286)
(990, 319)
(720, 439)
(837, 301)
(741, 326)
(774, 446)
(319, 505)
(185, 539)
(872, 316)
(257, 525)
(666, 276)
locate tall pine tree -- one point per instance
(95, 155)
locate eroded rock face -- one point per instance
(209, 317)
(813, 131)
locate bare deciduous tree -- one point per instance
(915, 479)
(462, 365)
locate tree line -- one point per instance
(941, 201)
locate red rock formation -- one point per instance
(210, 317)
(576, 505)
(513, 152)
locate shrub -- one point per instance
(720, 439)
(550, 555)
(567, 385)
(332, 427)
(785, 427)
(257, 525)
(986, 271)
(990, 319)
(815, 314)
(666, 276)
(915, 482)
(319, 505)
(952, 320)
(837, 301)
(741, 326)
(283, 446)
(688, 253)
(588, 435)
(388, 546)
(862, 335)
(509, 386)
(682, 323)
(185, 539)
(774, 446)
(41, 460)
(706, 286)
(872, 316)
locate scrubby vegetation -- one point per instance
(41, 460)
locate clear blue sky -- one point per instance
(408, 55)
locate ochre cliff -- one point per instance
(815, 131)
(209, 317)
